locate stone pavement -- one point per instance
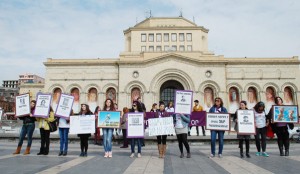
(149, 162)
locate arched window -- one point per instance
(92, 99)
(208, 98)
(251, 97)
(135, 93)
(288, 97)
(270, 98)
(234, 99)
(111, 94)
(76, 104)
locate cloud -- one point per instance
(31, 31)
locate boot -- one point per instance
(164, 150)
(17, 150)
(41, 151)
(241, 152)
(287, 152)
(27, 151)
(159, 150)
(281, 151)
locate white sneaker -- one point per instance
(106, 155)
(132, 155)
(220, 156)
(139, 155)
(110, 154)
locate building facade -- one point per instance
(10, 83)
(30, 78)
(166, 54)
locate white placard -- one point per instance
(64, 106)
(245, 121)
(82, 124)
(183, 101)
(22, 105)
(43, 104)
(161, 126)
(217, 121)
(135, 125)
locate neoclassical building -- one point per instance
(165, 54)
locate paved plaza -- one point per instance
(149, 162)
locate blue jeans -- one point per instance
(63, 136)
(213, 136)
(26, 129)
(107, 138)
(139, 144)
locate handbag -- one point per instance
(52, 125)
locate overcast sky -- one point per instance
(33, 30)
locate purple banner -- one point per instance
(197, 118)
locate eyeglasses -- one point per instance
(134, 105)
(217, 100)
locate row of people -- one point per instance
(181, 122)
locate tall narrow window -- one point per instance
(143, 38)
(189, 48)
(158, 37)
(151, 37)
(181, 37)
(174, 48)
(166, 37)
(174, 37)
(189, 37)
(166, 48)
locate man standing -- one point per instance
(143, 105)
(197, 108)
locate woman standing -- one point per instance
(161, 139)
(63, 129)
(281, 130)
(107, 132)
(154, 107)
(84, 138)
(124, 127)
(243, 106)
(136, 107)
(97, 135)
(45, 132)
(27, 128)
(181, 123)
(170, 107)
(261, 123)
(217, 108)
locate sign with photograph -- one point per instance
(22, 105)
(245, 122)
(161, 126)
(43, 104)
(135, 125)
(109, 119)
(285, 114)
(82, 124)
(64, 106)
(218, 121)
(183, 101)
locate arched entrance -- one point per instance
(167, 90)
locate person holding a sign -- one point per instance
(84, 138)
(217, 108)
(27, 128)
(261, 123)
(45, 132)
(136, 107)
(281, 130)
(63, 130)
(108, 132)
(181, 123)
(161, 139)
(124, 128)
(243, 106)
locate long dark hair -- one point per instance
(138, 105)
(112, 106)
(276, 100)
(221, 102)
(258, 105)
(88, 111)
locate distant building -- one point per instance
(7, 98)
(30, 78)
(10, 83)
